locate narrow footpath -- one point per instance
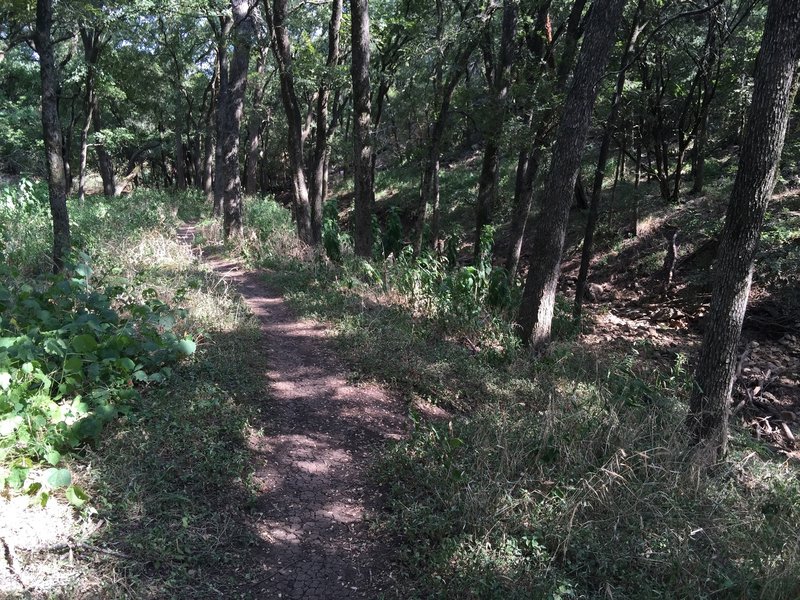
(321, 436)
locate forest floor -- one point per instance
(313, 456)
(252, 474)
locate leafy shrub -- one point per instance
(393, 238)
(331, 234)
(71, 358)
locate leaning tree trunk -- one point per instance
(91, 52)
(758, 162)
(234, 107)
(523, 196)
(87, 127)
(319, 167)
(538, 301)
(281, 47)
(364, 197)
(51, 127)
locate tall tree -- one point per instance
(449, 67)
(602, 159)
(530, 158)
(498, 73)
(762, 145)
(282, 49)
(242, 34)
(364, 198)
(51, 128)
(538, 301)
(91, 38)
(222, 32)
(321, 150)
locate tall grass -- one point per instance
(562, 476)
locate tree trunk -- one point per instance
(758, 162)
(282, 50)
(91, 52)
(220, 115)
(104, 161)
(536, 313)
(254, 133)
(522, 207)
(237, 82)
(209, 150)
(488, 181)
(51, 127)
(523, 196)
(364, 197)
(430, 174)
(180, 152)
(320, 160)
(602, 159)
(87, 126)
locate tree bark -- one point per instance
(219, 115)
(487, 183)
(364, 197)
(254, 133)
(602, 159)
(523, 195)
(320, 159)
(281, 47)
(536, 313)
(773, 92)
(51, 127)
(234, 108)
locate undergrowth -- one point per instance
(153, 448)
(562, 476)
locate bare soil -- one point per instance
(319, 441)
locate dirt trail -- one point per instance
(321, 435)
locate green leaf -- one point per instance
(43, 498)
(76, 496)
(53, 457)
(84, 343)
(7, 342)
(73, 363)
(83, 270)
(58, 478)
(16, 479)
(187, 347)
(126, 364)
(27, 368)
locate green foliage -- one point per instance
(72, 357)
(393, 238)
(267, 218)
(332, 237)
(76, 349)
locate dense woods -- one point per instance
(566, 233)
